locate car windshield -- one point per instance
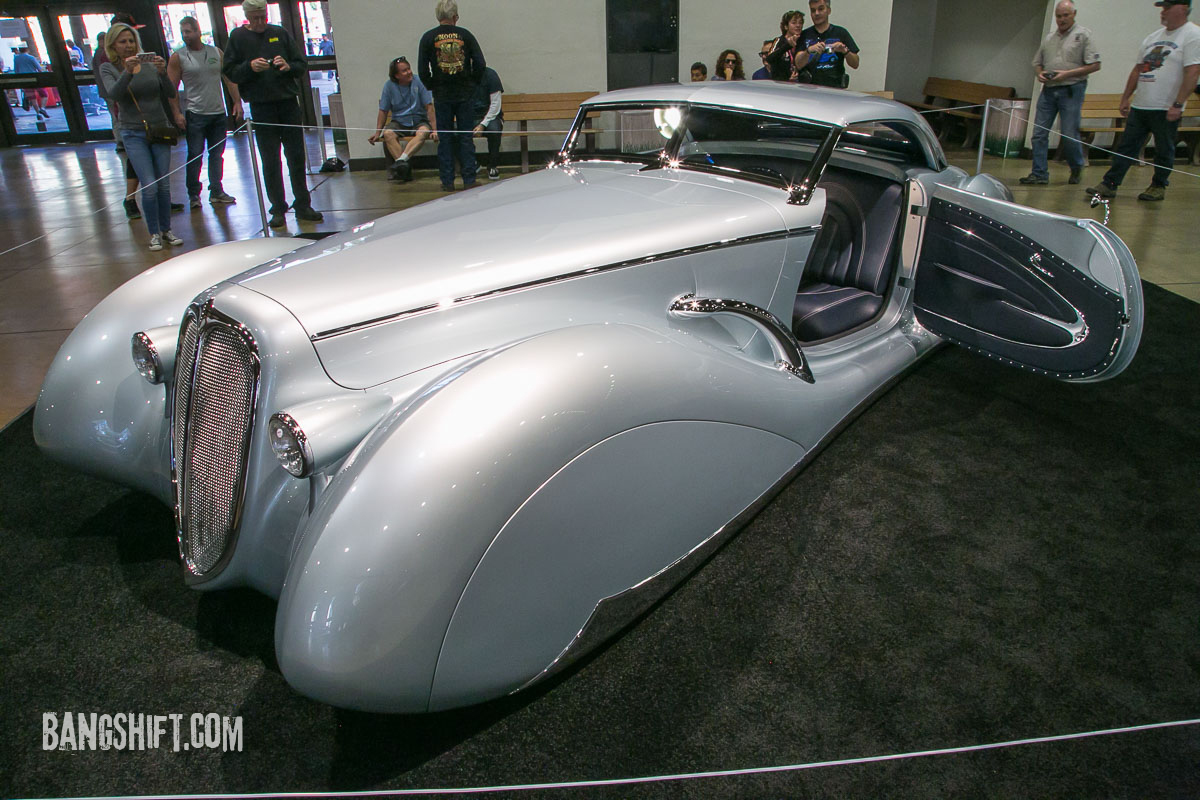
(760, 147)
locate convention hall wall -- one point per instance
(550, 46)
(953, 39)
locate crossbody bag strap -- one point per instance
(132, 97)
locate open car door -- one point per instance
(1056, 295)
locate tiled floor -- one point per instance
(65, 242)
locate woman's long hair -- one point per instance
(738, 73)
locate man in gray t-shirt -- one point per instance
(198, 65)
(1063, 62)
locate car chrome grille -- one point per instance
(216, 383)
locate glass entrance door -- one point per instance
(47, 82)
(34, 108)
(82, 35)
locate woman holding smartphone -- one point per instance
(137, 82)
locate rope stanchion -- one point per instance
(258, 189)
(987, 106)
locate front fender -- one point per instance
(94, 411)
(518, 445)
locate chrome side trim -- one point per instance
(520, 287)
(788, 355)
(1078, 331)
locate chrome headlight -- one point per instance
(290, 445)
(312, 437)
(146, 359)
(153, 352)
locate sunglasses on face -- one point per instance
(731, 61)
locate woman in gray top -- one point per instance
(140, 88)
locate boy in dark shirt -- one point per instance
(828, 48)
(451, 64)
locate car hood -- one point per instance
(550, 223)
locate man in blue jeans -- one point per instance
(1155, 94)
(1063, 62)
(199, 66)
(451, 64)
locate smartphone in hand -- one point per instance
(145, 58)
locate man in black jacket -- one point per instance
(451, 64)
(265, 63)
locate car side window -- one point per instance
(893, 141)
(759, 147)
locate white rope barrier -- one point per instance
(652, 779)
(102, 209)
(247, 126)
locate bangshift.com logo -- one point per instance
(121, 731)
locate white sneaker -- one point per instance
(171, 239)
(493, 174)
(155, 242)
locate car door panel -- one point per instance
(1025, 287)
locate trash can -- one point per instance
(1005, 134)
(337, 118)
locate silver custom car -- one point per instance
(466, 442)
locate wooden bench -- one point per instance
(523, 108)
(949, 94)
(1101, 113)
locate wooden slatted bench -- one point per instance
(947, 93)
(1101, 113)
(522, 108)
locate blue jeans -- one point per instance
(205, 132)
(1138, 127)
(1064, 102)
(151, 162)
(455, 115)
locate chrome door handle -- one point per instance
(788, 355)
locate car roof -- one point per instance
(835, 106)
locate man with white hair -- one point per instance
(265, 63)
(451, 64)
(1063, 62)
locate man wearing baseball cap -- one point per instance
(1158, 87)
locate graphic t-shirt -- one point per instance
(828, 68)
(1160, 64)
(450, 62)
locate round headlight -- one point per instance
(146, 358)
(290, 445)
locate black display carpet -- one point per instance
(984, 556)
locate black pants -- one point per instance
(269, 138)
(1139, 126)
(492, 133)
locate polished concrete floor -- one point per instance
(65, 242)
